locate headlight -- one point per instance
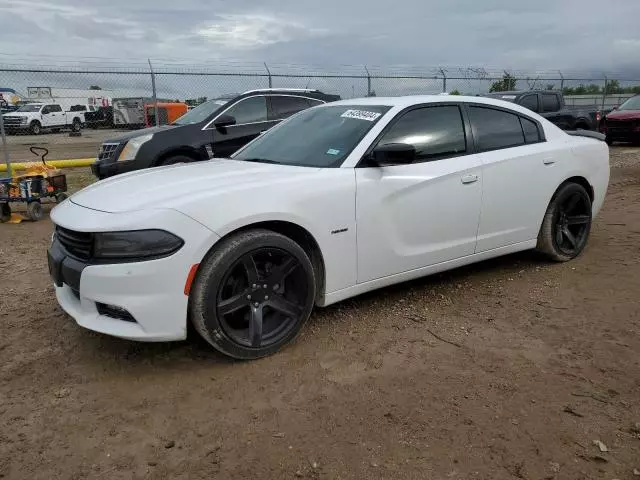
(23, 119)
(135, 245)
(131, 148)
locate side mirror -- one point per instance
(393, 154)
(224, 121)
(615, 107)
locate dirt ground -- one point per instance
(507, 369)
(61, 146)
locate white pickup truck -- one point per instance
(35, 118)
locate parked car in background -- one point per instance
(336, 201)
(218, 128)
(622, 124)
(101, 117)
(168, 112)
(551, 105)
(35, 118)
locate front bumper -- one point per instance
(152, 292)
(104, 170)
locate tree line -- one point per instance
(509, 82)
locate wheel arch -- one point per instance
(580, 181)
(182, 150)
(298, 234)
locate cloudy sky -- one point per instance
(516, 34)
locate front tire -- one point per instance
(35, 128)
(567, 223)
(253, 294)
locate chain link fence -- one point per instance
(106, 101)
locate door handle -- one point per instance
(548, 161)
(471, 178)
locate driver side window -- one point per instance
(249, 110)
(435, 132)
(46, 110)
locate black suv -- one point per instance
(217, 128)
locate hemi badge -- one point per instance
(341, 230)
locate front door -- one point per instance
(251, 119)
(424, 213)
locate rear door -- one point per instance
(424, 213)
(550, 109)
(251, 118)
(518, 174)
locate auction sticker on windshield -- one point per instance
(361, 115)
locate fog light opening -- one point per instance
(113, 311)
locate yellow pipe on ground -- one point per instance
(72, 163)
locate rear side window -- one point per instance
(494, 129)
(435, 132)
(550, 103)
(530, 129)
(284, 106)
(530, 102)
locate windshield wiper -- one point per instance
(259, 160)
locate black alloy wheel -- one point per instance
(572, 225)
(567, 223)
(252, 294)
(261, 298)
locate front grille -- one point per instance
(107, 151)
(12, 121)
(78, 244)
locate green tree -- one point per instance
(613, 86)
(507, 82)
(455, 92)
(549, 86)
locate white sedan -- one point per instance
(337, 200)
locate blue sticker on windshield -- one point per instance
(333, 151)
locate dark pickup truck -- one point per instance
(550, 105)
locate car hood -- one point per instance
(624, 115)
(176, 185)
(138, 133)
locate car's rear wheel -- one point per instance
(5, 212)
(567, 223)
(252, 294)
(76, 125)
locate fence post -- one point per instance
(153, 91)
(268, 74)
(561, 81)
(444, 81)
(604, 92)
(368, 81)
(5, 147)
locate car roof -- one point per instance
(411, 100)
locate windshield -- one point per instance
(317, 137)
(632, 104)
(30, 108)
(201, 112)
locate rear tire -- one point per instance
(34, 211)
(5, 212)
(61, 197)
(252, 294)
(609, 141)
(76, 126)
(567, 223)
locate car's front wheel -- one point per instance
(567, 223)
(252, 294)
